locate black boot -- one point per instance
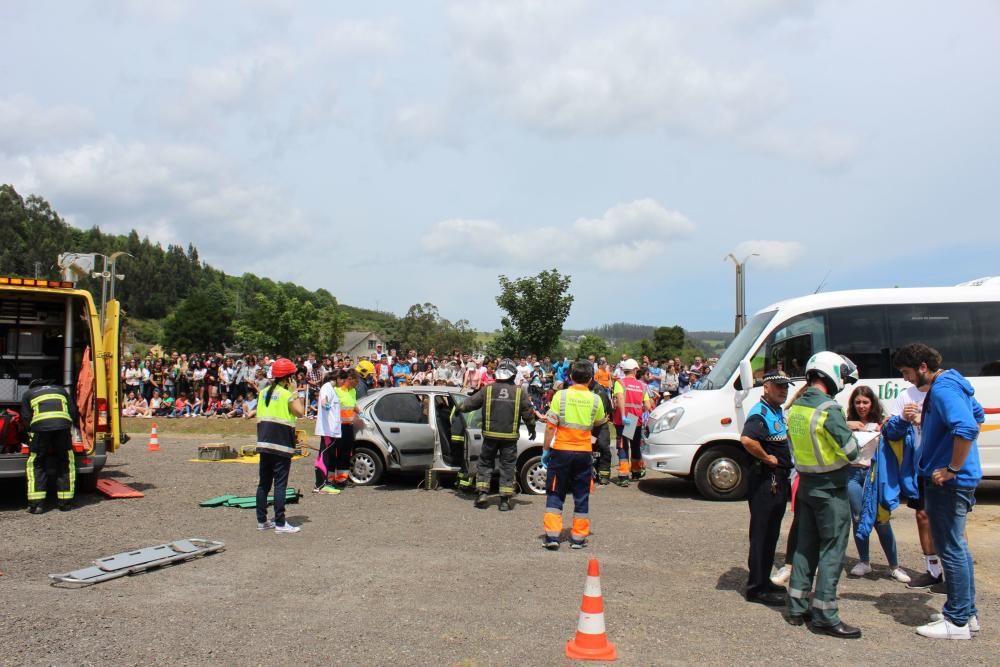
(66, 506)
(34, 508)
(482, 500)
(505, 505)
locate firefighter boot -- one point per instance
(34, 508)
(482, 500)
(505, 505)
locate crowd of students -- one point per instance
(179, 385)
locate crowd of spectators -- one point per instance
(226, 385)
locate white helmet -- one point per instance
(834, 368)
(505, 371)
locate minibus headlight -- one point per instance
(668, 421)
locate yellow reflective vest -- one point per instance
(818, 434)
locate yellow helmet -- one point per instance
(365, 368)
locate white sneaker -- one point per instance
(267, 525)
(782, 576)
(861, 569)
(287, 528)
(973, 622)
(944, 629)
(900, 575)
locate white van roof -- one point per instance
(972, 291)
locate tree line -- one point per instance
(174, 299)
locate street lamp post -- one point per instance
(741, 317)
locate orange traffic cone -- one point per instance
(591, 641)
(154, 442)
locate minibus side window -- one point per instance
(988, 316)
(859, 333)
(947, 327)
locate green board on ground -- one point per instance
(215, 502)
(250, 502)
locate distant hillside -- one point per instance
(712, 342)
(620, 333)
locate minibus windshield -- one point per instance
(736, 352)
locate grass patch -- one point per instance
(201, 426)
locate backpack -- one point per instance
(10, 431)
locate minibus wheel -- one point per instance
(722, 473)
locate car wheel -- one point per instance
(722, 473)
(532, 477)
(366, 466)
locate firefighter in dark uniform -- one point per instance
(602, 435)
(504, 406)
(765, 438)
(49, 414)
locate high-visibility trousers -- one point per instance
(51, 458)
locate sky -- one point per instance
(396, 153)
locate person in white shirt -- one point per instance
(909, 406)
(328, 430)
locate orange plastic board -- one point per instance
(113, 489)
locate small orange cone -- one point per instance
(154, 442)
(591, 641)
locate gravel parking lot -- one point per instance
(398, 575)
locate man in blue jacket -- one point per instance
(948, 464)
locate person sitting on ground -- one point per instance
(224, 406)
(129, 409)
(168, 406)
(236, 410)
(250, 408)
(194, 401)
(156, 404)
(181, 408)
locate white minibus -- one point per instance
(697, 435)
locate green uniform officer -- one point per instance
(822, 447)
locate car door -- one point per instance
(404, 421)
(473, 429)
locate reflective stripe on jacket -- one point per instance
(47, 408)
(348, 403)
(818, 433)
(573, 412)
(504, 406)
(276, 423)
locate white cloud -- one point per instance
(621, 240)
(631, 75)
(176, 193)
(768, 12)
(827, 148)
(26, 124)
(771, 254)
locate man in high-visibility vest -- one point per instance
(49, 414)
(573, 414)
(630, 400)
(822, 448)
(277, 408)
(504, 406)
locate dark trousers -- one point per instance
(274, 469)
(603, 449)
(487, 457)
(568, 472)
(51, 458)
(324, 461)
(343, 450)
(768, 495)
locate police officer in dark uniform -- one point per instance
(49, 414)
(602, 435)
(765, 437)
(504, 406)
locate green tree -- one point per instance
(423, 329)
(592, 345)
(202, 321)
(536, 309)
(667, 342)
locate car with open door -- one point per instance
(407, 429)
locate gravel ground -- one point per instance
(410, 577)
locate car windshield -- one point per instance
(736, 352)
